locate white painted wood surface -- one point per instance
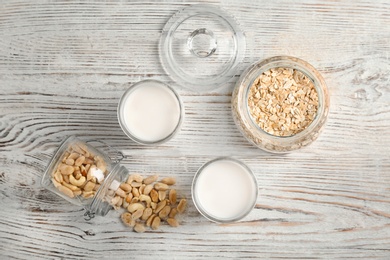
(64, 66)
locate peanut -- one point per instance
(129, 197)
(173, 213)
(120, 192)
(150, 179)
(134, 177)
(182, 205)
(125, 204)
(162, 194)
(160, 186)
(127, 219)
(66, 178)
(160, 206)
(169, 180)
(135, 192)
(119, 203)
(58, 177)
(146, 199)
(102, 166)
(156, 223)
(79, 161)
(172, 196)
(134, 200)
(164, 212)
(69, 161)
(97, 186)
(148, 189)
(70, 186)
(172, 222)
(68, 192)
(139, 228)
(138, 213)
(115, 200)
(134, 207)
(77, 193)
(89, 186)
(126, 187)
(76, 182)
(56, 183)
(88, 194)
(73, 156)
(147, 213)
(141, 189)
(66, 169)
(135, 184)
(88, 161)
(154, 195)
(150, 220)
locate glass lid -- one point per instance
(201, 47)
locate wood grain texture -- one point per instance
(65, 64)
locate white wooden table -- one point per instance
(65, 64)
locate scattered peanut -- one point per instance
(138, 213)
(154, 195)
(182, 205)
(172, 196)
(127, 219)
(134, 207)
(162, 194)
(160, 206)
(147, 213)
(150, 220)
(169, 180)
(164, 212)
(120, 192)
(173, 213)
(148, 189)
(161, 186)
(150, 179)
(156, 223)
(139, 228)
(125, 186)
(172, 222)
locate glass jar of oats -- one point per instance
(84, 175)
(280, 104)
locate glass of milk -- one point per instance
(224, 190)
(150, 112)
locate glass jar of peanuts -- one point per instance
(95, 180)
(84, 176)
(280, 104)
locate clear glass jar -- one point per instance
(150, 112)
(252, 131)
(224, 190)
(84, 176)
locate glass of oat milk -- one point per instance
(150, 112)
(224, 190)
